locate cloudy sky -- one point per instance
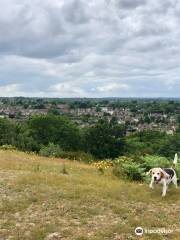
(95, 48)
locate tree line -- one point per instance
(103, 139)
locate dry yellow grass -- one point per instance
(39, 202)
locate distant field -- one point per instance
(38, 201)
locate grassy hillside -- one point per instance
(38, 201)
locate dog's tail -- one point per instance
(175, 161)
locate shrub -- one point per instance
(125, 167)
(7, 147)
(78, 156)
(152, 161)
(130, 168)
(53, 150)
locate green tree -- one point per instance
(45, 129)
(54, 111)
(7, 132)
(105, 140)
(145, 142)
(171, 146)
(24, 139)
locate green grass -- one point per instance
(38, 199)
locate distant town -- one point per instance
(136, 114)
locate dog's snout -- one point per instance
(155, 178)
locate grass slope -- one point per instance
(38, 201)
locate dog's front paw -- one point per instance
(150, 186)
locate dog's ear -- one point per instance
(164, 174)
(150, 172)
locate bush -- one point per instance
(170, 146)
(152, 161)
(130, 168)
(53, 150)
(78, 156)
(7, 147)
(125, 167)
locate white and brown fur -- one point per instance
(164, 176)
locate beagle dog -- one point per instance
(163, 176)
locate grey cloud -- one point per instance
(129, 4)
(75, 12)
(98, 48)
